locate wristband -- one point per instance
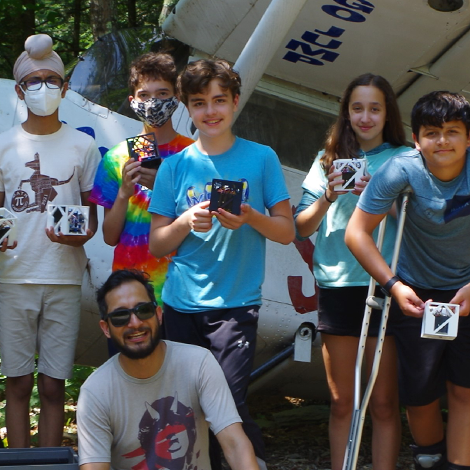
(326, 197)
(388, 285)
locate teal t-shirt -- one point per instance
(221, 268)
(333, 263)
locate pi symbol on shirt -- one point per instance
(19, 200)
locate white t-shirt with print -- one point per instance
(36, 170)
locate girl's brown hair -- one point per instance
(341, 140)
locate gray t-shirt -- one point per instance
(435, 249)
(161, 422)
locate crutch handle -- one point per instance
(376, 303)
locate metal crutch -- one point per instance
(372, 302)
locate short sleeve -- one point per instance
(90, 165)
(316, 181)
(384, 187)
(274, 185)
(94, 430)
(215, 397)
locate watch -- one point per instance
(388, 285)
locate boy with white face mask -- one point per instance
(42, 100)
(122, 186)
(42, 160)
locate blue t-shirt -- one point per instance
(333, 263)
(222, 268)
(435, 249)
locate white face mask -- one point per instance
(43, 102)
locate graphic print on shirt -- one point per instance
(167, 434)
(42, 186)
(457, 207)
(193, 197)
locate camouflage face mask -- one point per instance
(155, 112)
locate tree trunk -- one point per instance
(131, 13)
(28, 17)
(77, 13)
(21, 21)
(103, 17)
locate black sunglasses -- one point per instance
(122, 316)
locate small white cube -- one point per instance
(7, 226)
(440, 321)
(352, 170)
(68, 219)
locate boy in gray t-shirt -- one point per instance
(434, 264)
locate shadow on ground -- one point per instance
(296, 435)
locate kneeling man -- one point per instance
(150, 407)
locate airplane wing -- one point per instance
(418, 46)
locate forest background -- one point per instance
(74, 25)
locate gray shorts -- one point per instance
(39, 318)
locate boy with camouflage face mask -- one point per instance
(122, 185)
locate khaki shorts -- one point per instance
(38, 318)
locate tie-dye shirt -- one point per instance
(132, 250)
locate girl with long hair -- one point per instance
(369, 126)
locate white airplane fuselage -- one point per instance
(304, 70)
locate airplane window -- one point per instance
(446, 5)
(296, 133)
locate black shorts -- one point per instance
(425, 365)
(341, 310)
(230, 334)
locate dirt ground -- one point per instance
(296, 435)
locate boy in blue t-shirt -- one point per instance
(212, 293)
(434, 264)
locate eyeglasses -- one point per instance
(35, 84)
(122, 316)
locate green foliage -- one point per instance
(72, 390)
(68, 22)
(3, 380)
(72, 386)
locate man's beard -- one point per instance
(139, 353)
